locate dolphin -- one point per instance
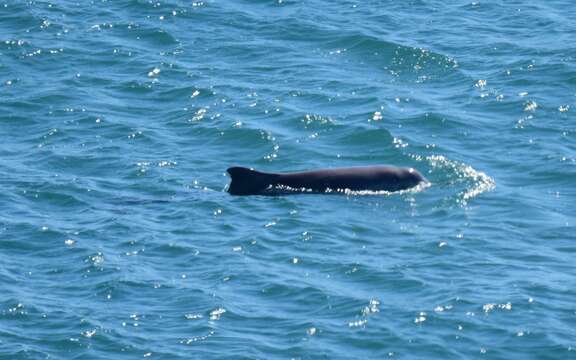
(246, 181)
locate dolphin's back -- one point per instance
(247, 181)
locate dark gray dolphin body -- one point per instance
(374, 178)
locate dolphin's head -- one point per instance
(409, 177)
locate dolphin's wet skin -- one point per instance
(247, 181)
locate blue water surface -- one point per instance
(118, 120)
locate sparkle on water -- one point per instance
(119, 118)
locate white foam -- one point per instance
(347, 192)
(481, 182)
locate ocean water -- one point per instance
(118, 120)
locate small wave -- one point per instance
(475, 182)
(362, 137)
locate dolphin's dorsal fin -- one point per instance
(246, 181)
